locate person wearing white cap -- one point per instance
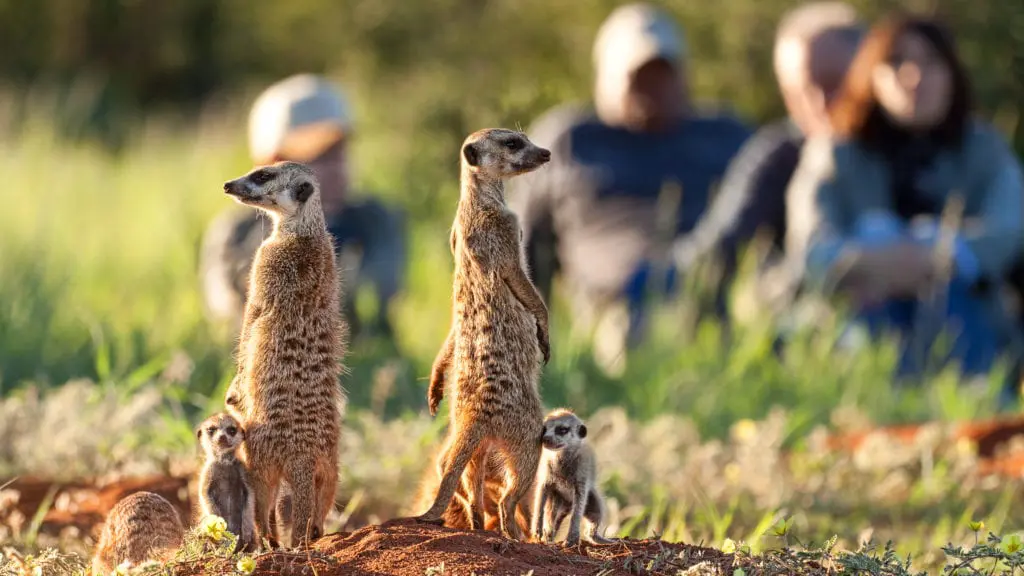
(307, 119)
(591, 215)
(814, 46)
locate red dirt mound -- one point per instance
(407, 548)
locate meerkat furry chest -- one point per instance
(563, 468)
(294, 344)
(483, 300)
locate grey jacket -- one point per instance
(841, 196)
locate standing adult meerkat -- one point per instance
(499, 331)
(293, 338)
(224, 488)
(458, 513)
(142, 526)
(567, 481)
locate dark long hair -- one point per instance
(857, 115)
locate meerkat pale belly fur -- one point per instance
(567, 481)
(141, 527)
(224, 488)
(499, 332)
(293, 338)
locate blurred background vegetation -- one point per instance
(120, 119)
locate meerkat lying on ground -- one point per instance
(499, 331)
(293, 338)
(142, 526)
(567, 481)
(224, 488)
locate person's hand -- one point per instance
(878, 274)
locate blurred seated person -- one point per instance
(865, 206)
(592, 215)
(814, 45)
(304, 118)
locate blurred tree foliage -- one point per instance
(438, 67)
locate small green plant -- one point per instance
(994, 555)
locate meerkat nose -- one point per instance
(545, 153)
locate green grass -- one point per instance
(98, 279)
(98, 287)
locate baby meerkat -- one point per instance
(498, 337)
(224, 488)
(287, 393)
(567, 481)
(142, 526)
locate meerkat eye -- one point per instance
(562, 430)
(211, 430)
(262, 177)
(231, 430)
(513, 144)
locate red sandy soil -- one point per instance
(987, 435)
(406, 548)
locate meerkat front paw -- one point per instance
(436, 392)
(543, 340)
(231, 396)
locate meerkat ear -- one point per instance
(471, 154)
(583, 430)
(304, 191)
(199, 433)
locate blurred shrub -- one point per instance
(432, 66)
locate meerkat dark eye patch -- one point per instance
(231, 430)
(514, 144)
(304, 191)
(471, 154)
(211, 430)
(562, 430)
(261, 177)
(583, 431)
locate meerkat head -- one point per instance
(220, 434)
(497, 153)
(563, 429)
(284, 189)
